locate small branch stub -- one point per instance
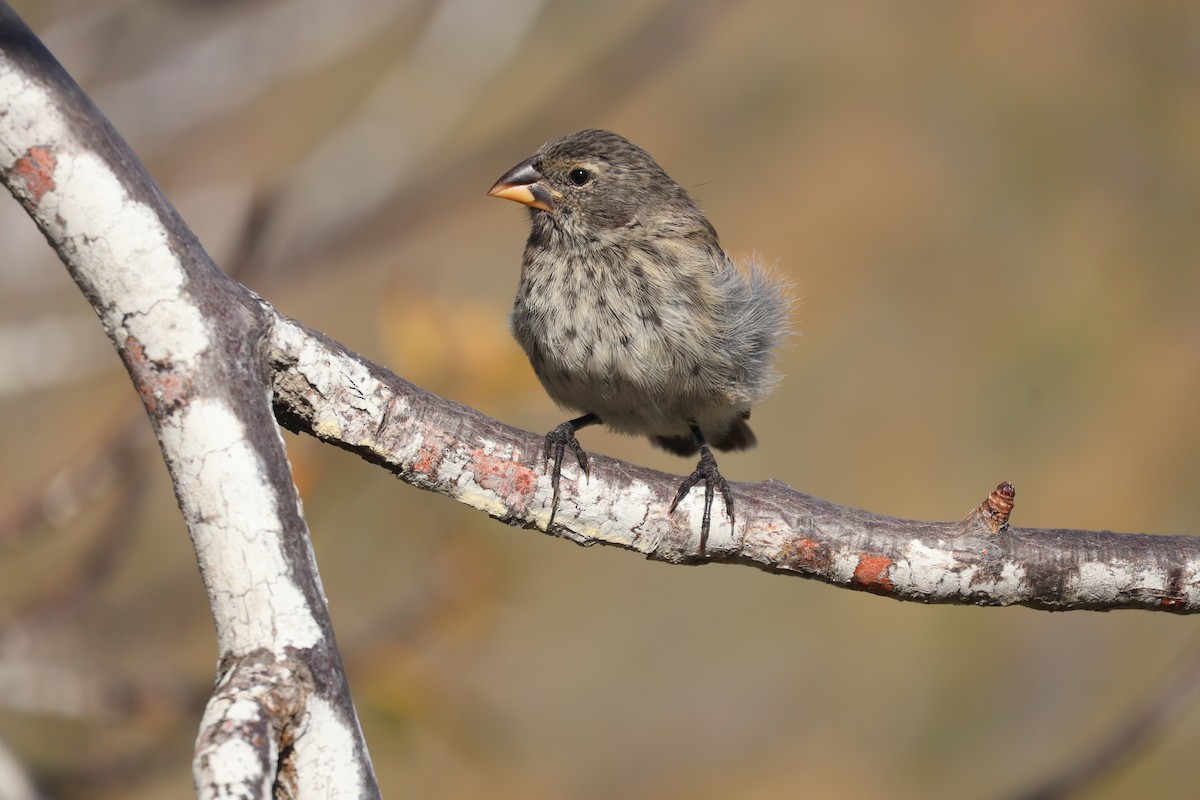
(995, 509)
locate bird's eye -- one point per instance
(579, 176)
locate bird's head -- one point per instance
(595, 181)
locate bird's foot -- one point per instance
(706, 471)
(558, 442)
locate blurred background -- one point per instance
(989, 212)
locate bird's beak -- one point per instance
(524, 184)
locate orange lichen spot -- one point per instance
(160, 387)
(512, 481)
(872, 574)
(36, 170)
(429, 456)
(805, 554)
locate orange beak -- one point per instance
(524, 184)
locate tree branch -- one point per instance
(191, 339)
(323, 389)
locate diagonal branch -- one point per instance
(191, 339)
(327, 391)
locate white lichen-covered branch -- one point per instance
(325, 390)
(191, 339)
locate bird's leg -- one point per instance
(707, 471)
(558, 441)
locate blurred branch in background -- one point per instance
(383, 145)
(1128, 737)
(77, 486)
(242, 57)
(48, 351)
(122, 465)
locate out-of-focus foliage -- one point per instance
(988, 210)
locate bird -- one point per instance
(633, 315)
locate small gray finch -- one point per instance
(632, 314)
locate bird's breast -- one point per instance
(614, 332)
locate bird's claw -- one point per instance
(706, 471)
(558, 442)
